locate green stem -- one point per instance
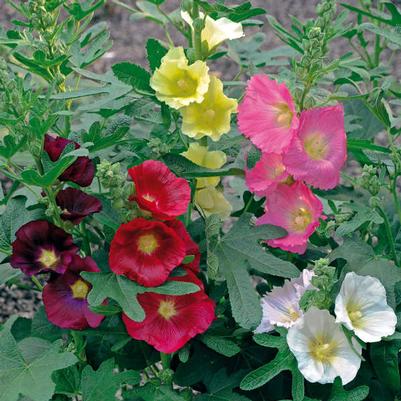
(86, 243)
(166, 360)
(389, 233)
(197, 39)
(37, 283)
(395, 196)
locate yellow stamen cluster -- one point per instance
(80, 289)
(167, 309)
(147, 244)
(48, 259)
(316, 146)
(322, 349)
(300, 219)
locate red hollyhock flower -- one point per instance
(76, 205)
(146, 251)
(81, 171)
(172, 320)
(191, 247)
(159, 191)
(65, 297)
(40, 246)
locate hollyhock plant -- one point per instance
(212, 116)
(322, 350)
(65, 297)
(267, 174)
(191, 247)
(40, 246)
(172, 320)
(296, 209)
(319, 150)
(201, 156)
(81, 172)
(146, 251)
(159, 191)
(361, 306)
(281, 306)
(267, 115)
(76, 205)
(178, 84)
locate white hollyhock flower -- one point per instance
(361, 306)
(216, 31)
(281, 305)
(321, 348)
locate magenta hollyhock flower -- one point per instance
(296, 209)
(65, 297)
(76, 205)
(172, 320)
(267, 173)
(267, 115)
(40, 246)
(319, 151)
(80, 172)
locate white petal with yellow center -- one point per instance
(361, 306)
(322, 350)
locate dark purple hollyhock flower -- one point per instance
(65, 297)
(76, 205)
(81, 171)
(40, 246)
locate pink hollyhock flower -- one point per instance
(267, 115)
(146, 251)
(318, 152)
(159, 191)
(76, 205)
(80, 172)
(267, 173)
(65, 297)
(40, 246)
(296, 209)
(192, 248)
(172, 320)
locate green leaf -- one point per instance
(125, 291)
(185, 168)
(393, 19)
(385, 363)
(237, 252)
(156, 392)
(103, 384)
(338, 393)
(42, 328)
(221, 345)
(79, 12)
(15, 216)
(392, 35)
(155, 52)
(283, 361)
(7, 273)
(26, 367)
(68, 381)
(133, 75)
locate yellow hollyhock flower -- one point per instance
(178, 84)
(217, 31)
(212, 201)
(201, 156)
(212, 116)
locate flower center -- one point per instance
(322, 349)
(210, 114)
(147, 244)
(293, 314)
(167, 309)
(79, 289)
(49, 259)
(316, 146)
(275, 172)
(355, 315)
(149, 197)
(301, 218)
(283, 115)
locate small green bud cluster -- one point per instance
(158, 147)
(315, 41)
(396, 158)
(369, 180)
(114, 181)
(323, 282)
